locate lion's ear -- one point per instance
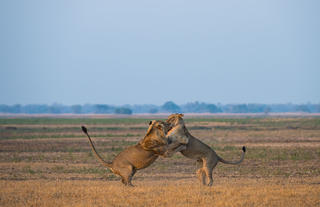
(150, 122)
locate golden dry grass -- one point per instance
(232, 192)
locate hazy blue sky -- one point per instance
(134, 52)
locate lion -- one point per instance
(195, 149)
(141, 155)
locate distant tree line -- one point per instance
(168, 107)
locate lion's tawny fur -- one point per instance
(141, 155)
(195, 149)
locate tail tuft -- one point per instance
(84, 129)
(244, 149)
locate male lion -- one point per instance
(141, 155)
(195, 149)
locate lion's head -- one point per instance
(164, 127)
(178, 132)
(156, 135)
(174, 120)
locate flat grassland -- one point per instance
(47, 161)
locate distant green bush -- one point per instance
(171, 107)
(123, 110)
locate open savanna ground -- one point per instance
(47, 161)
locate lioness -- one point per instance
(195, 149)
(141, 155)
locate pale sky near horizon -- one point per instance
(150, 52)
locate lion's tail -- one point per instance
(107, 164)
(234, 162)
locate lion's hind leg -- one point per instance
(208, 166)
(202, 176)
(131, 176)
(127, 174)
(200, 172)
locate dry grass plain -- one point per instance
(47, 161)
